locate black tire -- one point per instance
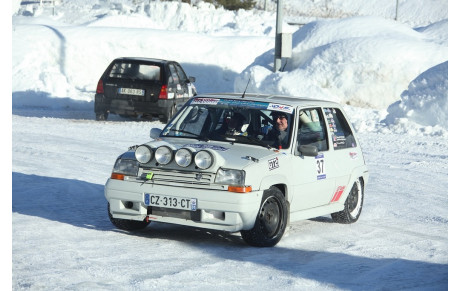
(126, 224)
(271, 221)
(101, 116)
(353, 205)
(169, 114)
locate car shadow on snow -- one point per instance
(337, 270)
(82, 204)
(75, 202)
(42, 104)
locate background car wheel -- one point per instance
(353, 205)
(271, 220)
(126, 224)
(101, 116)
(169, 114)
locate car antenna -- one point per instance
(244, 93)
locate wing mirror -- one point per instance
(191, 79)
(308, 150)
(155, 133)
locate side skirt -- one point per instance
(317, 211)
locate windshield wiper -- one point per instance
(199, 137)
(259, 142)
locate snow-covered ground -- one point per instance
(392, 74)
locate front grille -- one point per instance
(177, 213)
(181, 178)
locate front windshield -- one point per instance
(231, 120)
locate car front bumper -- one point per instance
(216, 209)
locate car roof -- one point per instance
(138, 59)
(281, 99)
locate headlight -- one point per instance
(183, 157)
(230, 177)
(203, 160)
(126, 167)
(163, 155)
(143, 154)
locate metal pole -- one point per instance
(279, 28)
(397, 4)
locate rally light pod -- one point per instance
(143, 154)
(203, 160)
(163, 155)
(183, 157)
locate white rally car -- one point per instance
(248, 163)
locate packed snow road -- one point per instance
(63, 239)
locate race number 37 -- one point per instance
(320, 167)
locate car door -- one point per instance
(313, 182)
(345, 154)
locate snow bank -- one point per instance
(360, 61)
(424, 105)
(365, 62)
(413, 13)
(67, 61)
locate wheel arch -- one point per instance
(281, 183)
(360, 173)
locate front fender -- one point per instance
(269, 181)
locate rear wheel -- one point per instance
(126, 224)
(271, 220)
(101, 116)
(353, 205)
(169, 114)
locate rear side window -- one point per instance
(342, 136)
(129, 70)
(181, 73)
(174, 78)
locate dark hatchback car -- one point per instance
(142, 87)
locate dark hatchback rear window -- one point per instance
(131, 70)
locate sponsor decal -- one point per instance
(353, 155)
(147, 176)
(280, 107)
(338, 193)
(340, 141)
(212, 101)
(206, 146)
(273, 164)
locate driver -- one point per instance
(280, 131)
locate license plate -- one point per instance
(170, 202)
(131, 91)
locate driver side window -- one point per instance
(312, 129)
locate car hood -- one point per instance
(225, 154)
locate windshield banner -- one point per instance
(244, 103)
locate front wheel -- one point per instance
(353, 205)
(126, 224)
(271, 220)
